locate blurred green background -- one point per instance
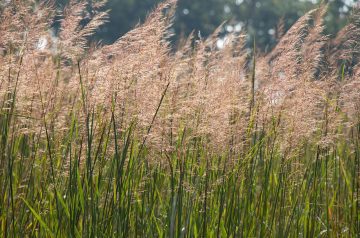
(258, 17)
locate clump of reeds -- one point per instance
(136, 139)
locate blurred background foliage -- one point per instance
(259, 18)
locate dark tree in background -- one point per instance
(124, 15)
(338, 12)
(258, 17)
(261, 18)
(203, 15)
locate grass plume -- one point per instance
(137, 139)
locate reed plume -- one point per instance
(207, 88)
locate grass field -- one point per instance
(135, 139)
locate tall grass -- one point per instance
(136, 140)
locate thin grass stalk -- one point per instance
(153, 119)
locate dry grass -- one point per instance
(209, 88)
(59, 91)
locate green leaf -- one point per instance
(38, 217)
